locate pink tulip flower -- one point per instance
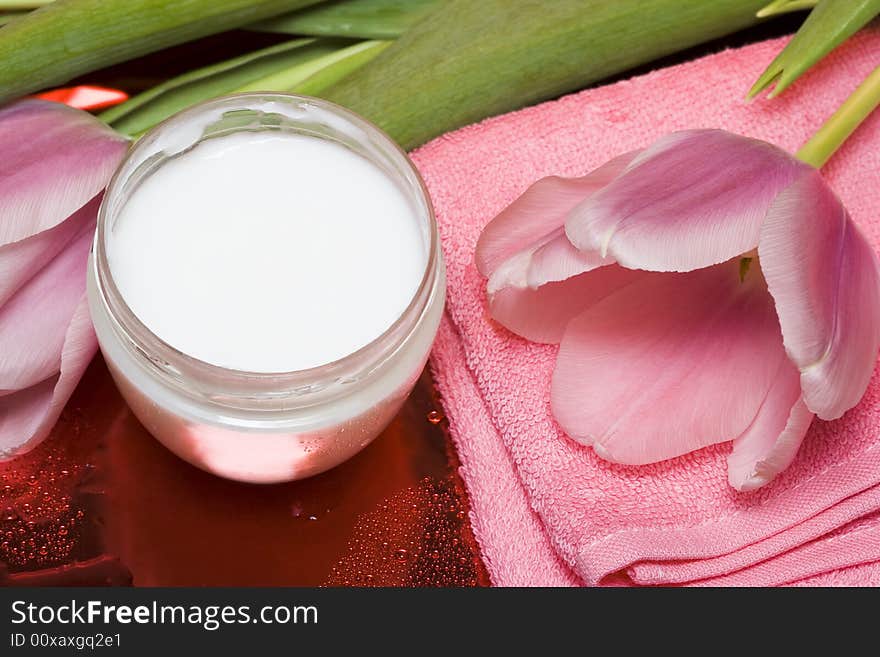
(708, 288)
(55, 163)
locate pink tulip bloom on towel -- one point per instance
(55, 162)
(708, 288)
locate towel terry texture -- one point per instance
(545, 509)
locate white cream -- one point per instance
(268, 252)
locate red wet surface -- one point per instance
(102, 502)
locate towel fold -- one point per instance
(545, 509)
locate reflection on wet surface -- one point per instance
(102, 502)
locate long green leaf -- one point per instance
(289, 77)
(9, 16)
(70, 37)
(220, 70)
(155, 105)
(778, 7)
(14, 5)
(334, 71)
(827, 26)
(366, 19)
(468, 60)
(306, 66)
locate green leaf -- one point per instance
(366, 19)
(468, 60)
(287, 78)
(335, 69)
(778, 7)
(15, 5)
(9, 16)
(149, 108)
(827, 26)
(67, 38)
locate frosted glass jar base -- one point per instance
(260, 458)
(247, 449)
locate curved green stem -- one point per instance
(855, 109)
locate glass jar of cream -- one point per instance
(266, 283)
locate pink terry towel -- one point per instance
(545, 509)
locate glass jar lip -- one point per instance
(363, 359)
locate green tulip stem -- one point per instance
(837, 129)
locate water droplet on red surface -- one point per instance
(36, 513)
(414, 540)
(435, 417)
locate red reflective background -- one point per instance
(102, 502)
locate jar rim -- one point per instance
(175, 365)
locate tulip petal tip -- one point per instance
(601, 451)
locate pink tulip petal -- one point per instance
(530, 219)
(542, 314)
(21, 260)
(771, 442)
(824, 279)
(693, 199)
(55, 159)
(27, 416)
(525, 245)
(34, 322)
(553, 261)
(669, 364)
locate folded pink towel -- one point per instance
(545, 509)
